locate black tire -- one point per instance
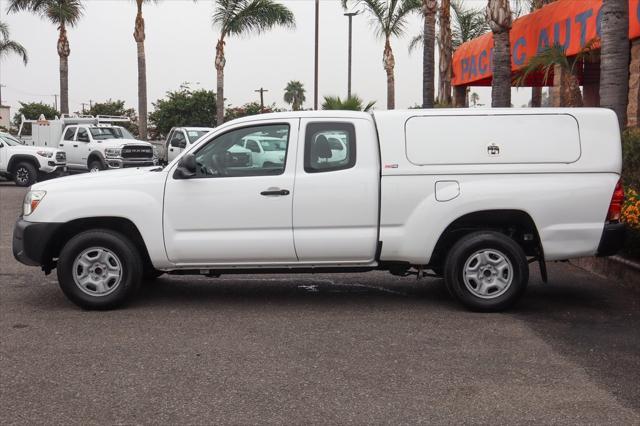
(96, 165)
(131, 267)
(474, 246)
(25, 174)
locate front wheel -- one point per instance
(486, 271)
(99, 269)
(25, 174)
(96, 166)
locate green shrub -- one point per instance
(631, 157)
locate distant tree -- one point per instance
(548, 59)
(251, 108)
(8, 46)
(353, 103)
(63, 14)
(294, 94)
(33, 111)
(243, 17)
(118, 108)
(389, 19)
(184, 107)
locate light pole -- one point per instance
(350, 15)
(315, 79)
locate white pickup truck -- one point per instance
(90, 143)
(25, 165)
(470, 195)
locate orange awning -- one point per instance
(569, 23)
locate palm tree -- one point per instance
(294, 94)
(429, 8)
(536, 92)
(63, 14)
(352, 103)
(389, 18)
(614, 58)
(8, 46)
(241, 17)
(500, 20)
(139, 36)
(475, 98)
(555, 58)
(445, 42)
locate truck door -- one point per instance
(67, 142)
(230, 212)
(335, 204)
(79, 149)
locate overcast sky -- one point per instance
(180, 48)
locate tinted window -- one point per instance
(253, 147)
(224, 156)
(70, 133)
(329, 147)
(83, 135)
(178, 139)
(194, 135)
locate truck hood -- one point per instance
(106, 178)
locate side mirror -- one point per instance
(186, 167)
(83, 138)
(182, 144)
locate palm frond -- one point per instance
(8, 46)
(416, 42)
(59, 12)
(238, 17)
(545, 61)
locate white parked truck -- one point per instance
(471, 195)
(90, 143)
(180, 137)
(26, 165)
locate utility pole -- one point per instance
(315, 80)
(1, 86)
(83, 109)
(261, 91)
(55, 102)
(350, 15)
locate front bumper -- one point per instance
(31, 242)
(121, 163)
(53, 167)
(612, 239)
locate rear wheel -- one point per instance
(25, 174)
(486, 271)
(99, 269)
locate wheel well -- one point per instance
(513, 223)
(17, 159)
(94, 156)
(74, 227)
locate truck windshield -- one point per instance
(10, 140)
(194, 135)
(102, 133)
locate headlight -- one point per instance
(31, 201)
(113, 152)
(46, 154)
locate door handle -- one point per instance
(276, 192)
(62, 144)
(171, 149)
(75, 146)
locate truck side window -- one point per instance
(329, 147)
(83, 135)
(224, 156)
(70, 133)
(253, 146)
(178, 140)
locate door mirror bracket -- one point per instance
(186, 167)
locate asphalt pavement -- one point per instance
(315, 349)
